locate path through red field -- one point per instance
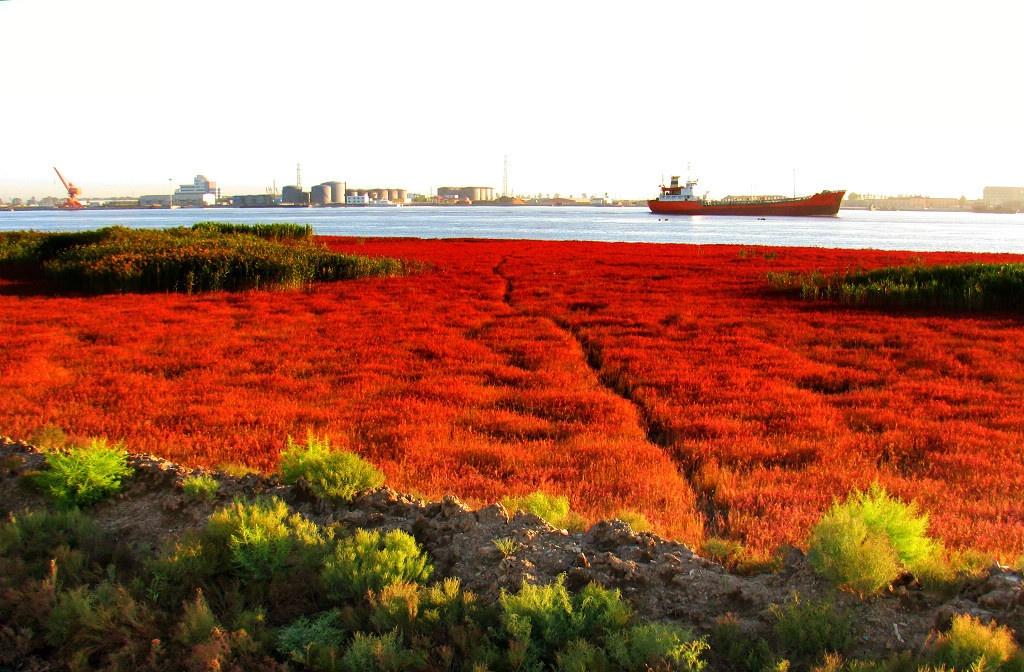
(662, 378)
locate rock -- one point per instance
(452, 506)
(999, 599)
(495, 514)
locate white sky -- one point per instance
(894, 96)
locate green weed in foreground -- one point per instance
(262, 537)
(84, 475)
(592, 629)
(975, 286)
(806, 630)
(865, 542)
(552, 509)
(334, 474)
(201, 486)
(971, 644)
(372, 560)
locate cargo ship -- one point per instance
(678, 199)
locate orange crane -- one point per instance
(72, 202)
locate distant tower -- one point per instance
(298, 176)
(504, 179)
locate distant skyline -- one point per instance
(875, 97)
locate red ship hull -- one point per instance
(822, 203)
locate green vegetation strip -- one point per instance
(961, 286)
(261, 586)
(207, 256)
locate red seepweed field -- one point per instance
(666, 379)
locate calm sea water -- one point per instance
(921, 231)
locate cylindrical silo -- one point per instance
(401, 195)
(337, 191)
(320, 194)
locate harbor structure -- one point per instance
(471, 194)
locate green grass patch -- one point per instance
(552, 509)
(201, 486)
(205, 257)
(333, 474)
(84, 475)
(974, 286)
(864, 543)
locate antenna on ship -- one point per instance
(504, 178)
(794, 183)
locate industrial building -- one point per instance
(471, 194)
(254, 201)
(377, 195)
(200, 193)
(1003, 195)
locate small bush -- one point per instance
(370, 560)
(84, 475)
(379, 653)
(201, 486)
(738, 649)
(809, 629)
(970, 642)
(30, 540)
(261, 537)
(197, 623)
(507, 546)
(645, 647)
(334, 474)
(543, 622)
(317, 644)
(101, 628)
(865, 542)
(552, 509)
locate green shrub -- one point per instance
(739, 650)
(85, 475)
(646, 646)
(507, 546)
(971, 642)
(543, 622)
(317, 644)
(100, 628)
(370, 560)
(809, 629)
(329, 473)
(30, 540)
(262, 538)
(197, 622)
(552, 509)
(865, 542)
(379, 653)
(579, 655)
(201, 486)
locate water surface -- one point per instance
(922, 231)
